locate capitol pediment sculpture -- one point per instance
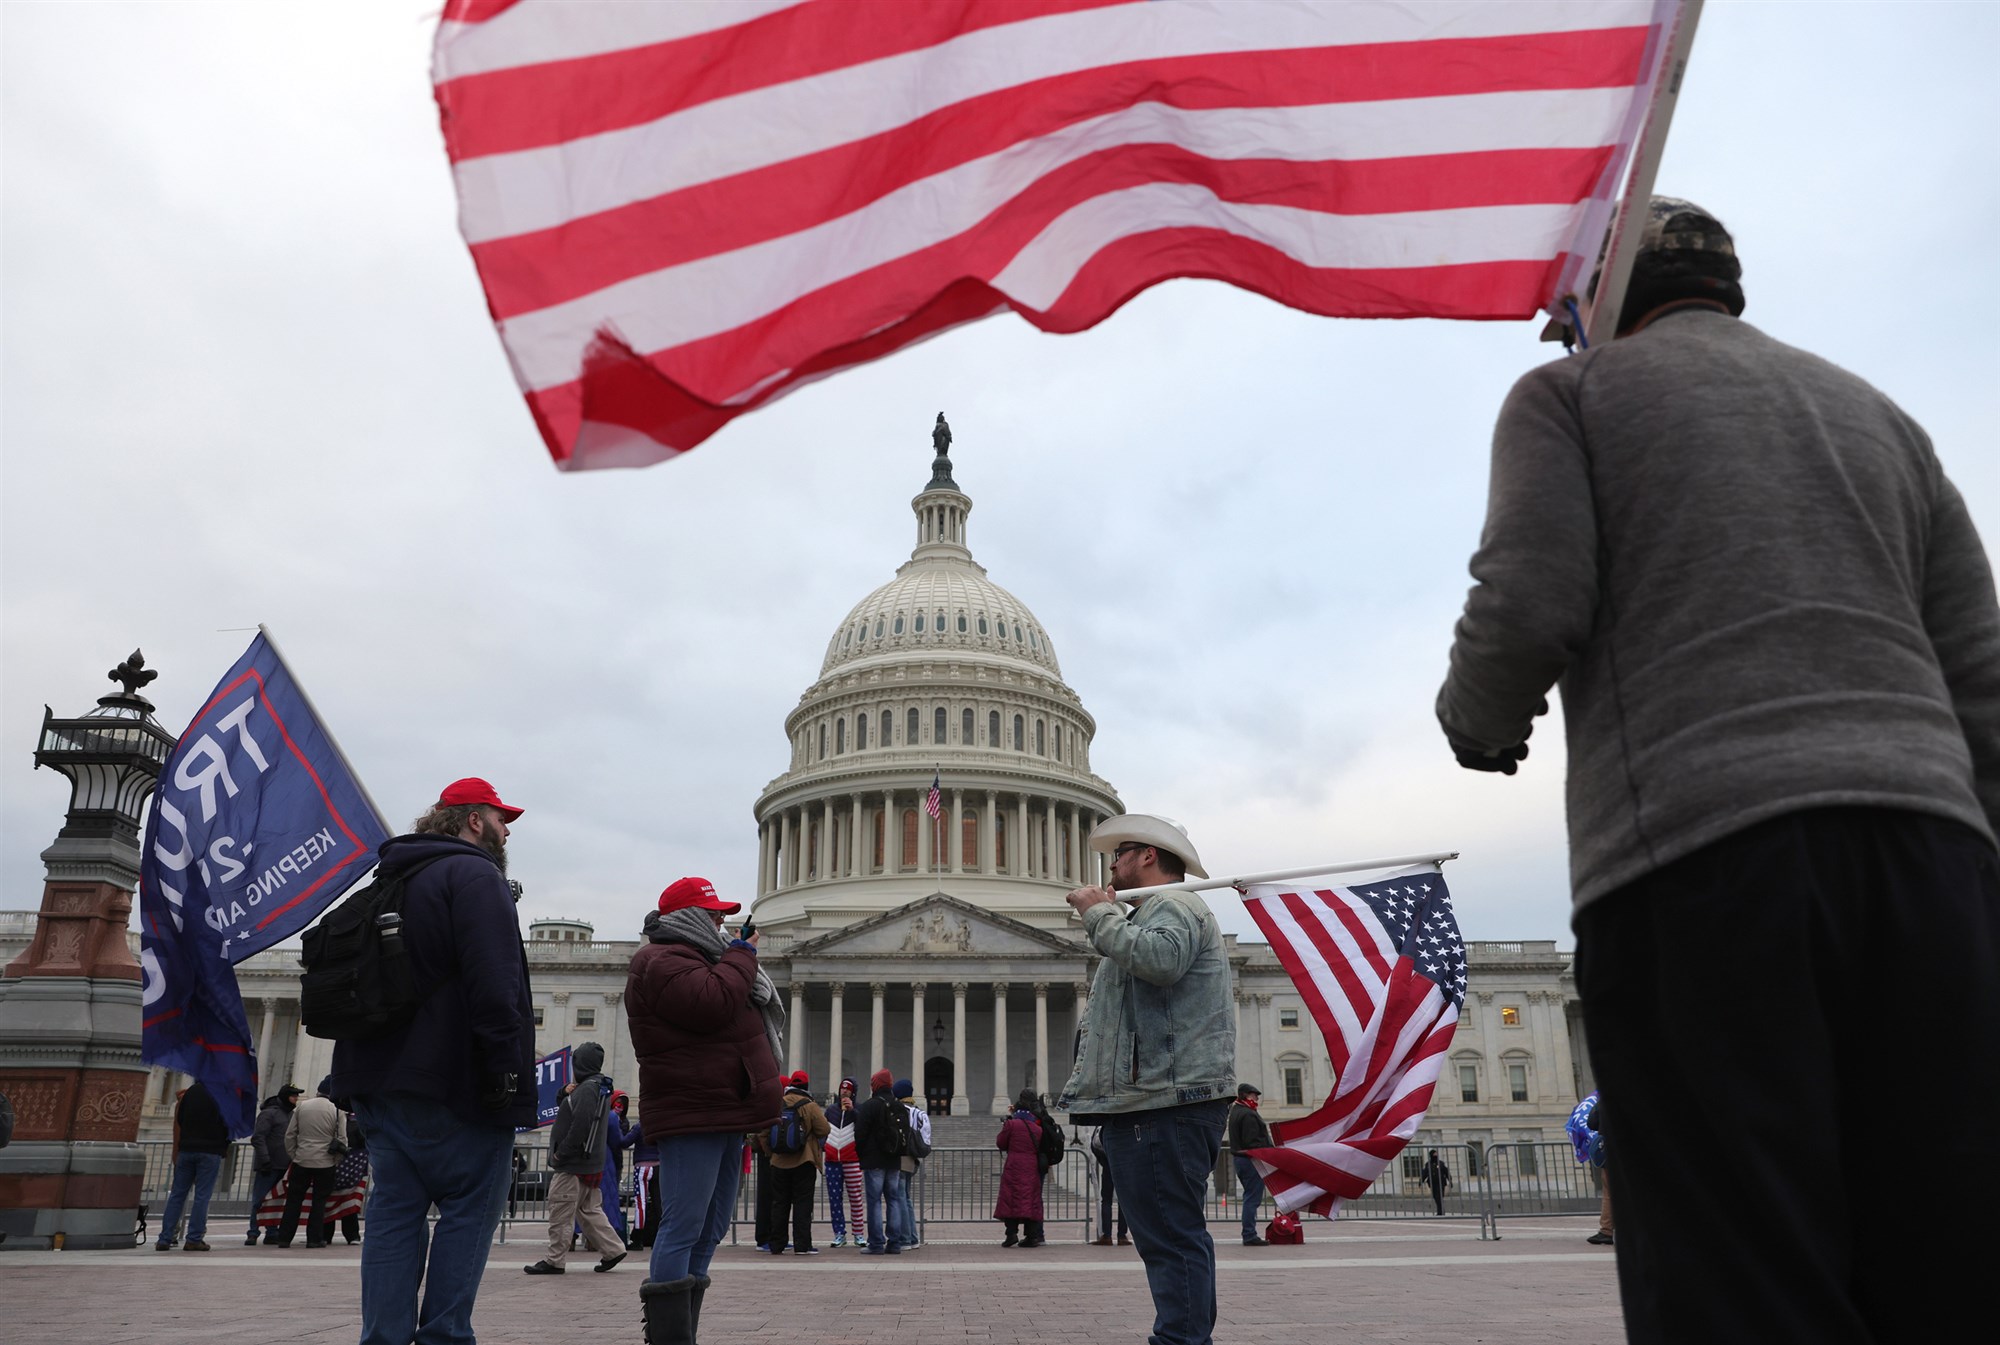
(939, 933)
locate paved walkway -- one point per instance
(1356, 1283)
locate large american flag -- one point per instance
(682, 210)
(934, 801)
(1381, 967)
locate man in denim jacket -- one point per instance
(1158, 1061)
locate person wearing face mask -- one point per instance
(708, 1027)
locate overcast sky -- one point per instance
(249, 376)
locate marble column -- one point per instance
(826, 845)
(857, 858)
(917, 1037)
(1023, 854)
(264, 1075)
(960, 1096)
(1042, 1037)
(892, 831)
(787, 849)
(954, 836)
(876, 1055)
(839, 1015)
(1002, 1095)
(795, 1043)
(1075, 874)
(986, 836)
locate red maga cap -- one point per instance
(698, 893)
(472, 789)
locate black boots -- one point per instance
(672, 1309)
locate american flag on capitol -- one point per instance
(682, 210)
(934, 801)
(1382, 968)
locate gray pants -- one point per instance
(572, 1203)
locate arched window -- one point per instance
(992, 728)
(920, 623)
(861, 732)
(839, 736)
(1003, 627)
(898, 627)
(982, 623)
(965, 726)
(878, 841)
(1062, 848)
(822, 742)
(1041, 738)
(937, 725)
(909, 838)
(812, 851)
(968, 841)
(878, 627)
(847, 642)
(910, 738)
(1058, 742)
(961, 623)
(1020, 637)
(1020, 734)
(888, 726)
(940, 623)
(1000, 842)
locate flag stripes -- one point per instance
(680, 211)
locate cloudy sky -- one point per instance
(248, 377)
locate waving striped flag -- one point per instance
(1382, 968)
(934, 801)
(682, 210)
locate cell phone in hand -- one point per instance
(749, 928)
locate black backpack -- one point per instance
(357, 981)
(788, 1135)
(899, 1128)
(1052, 1149)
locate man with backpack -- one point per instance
(881, 1138)
(442, 1090)
(578, 1142)
(798, 1160)
(904, 1225)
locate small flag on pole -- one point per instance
(934, 801)
(1381, 966)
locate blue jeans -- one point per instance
(1253, 1194)
(422, 1153)
(260, 1186)
(903, 1212)
(196, 1172)
(881, 1187)
(699, 1175)
(1161, 1161)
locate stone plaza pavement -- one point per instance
(1356, 1283)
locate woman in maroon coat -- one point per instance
(706, 1026)
(1021, 1176)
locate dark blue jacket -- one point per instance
(464, 940)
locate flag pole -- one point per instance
(331, 741)
(1280, 875)
(1601, 323)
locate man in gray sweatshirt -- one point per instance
(1775, 633)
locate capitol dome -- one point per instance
(938, 674)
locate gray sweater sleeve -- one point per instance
(1963, 621)
(1535, 594)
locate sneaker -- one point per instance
(765, 1247)
(195, 1245)
(608, 1262)
(1102, 1241)
(250, 1241)
(840, 1240)
(163, 1246)
(545, 1268)
(808, 1251)
(892, 1251)
(874, 1251)
(1255, 1241)
(1599, 1239)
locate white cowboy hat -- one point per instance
(1162, 833)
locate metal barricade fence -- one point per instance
(1538, 1179)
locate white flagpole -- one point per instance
(1601, 322)
(325, 728)
(1280, 875)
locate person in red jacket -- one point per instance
(707, 1026)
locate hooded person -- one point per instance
(707, 1026)
(267, 1152)
(797, 1142)
(1020, 1200)
(843, 1169)
(905, 1221)
(578, 1145)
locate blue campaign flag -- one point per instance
(257, 825)
(552, 1071)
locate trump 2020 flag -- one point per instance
(1381, 966)
(682, 209)
(552, 1071)
(257, 825)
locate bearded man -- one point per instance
(440, 1095)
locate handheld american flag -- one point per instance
(1381, 966)
(679, 211)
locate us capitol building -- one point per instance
(940, 946)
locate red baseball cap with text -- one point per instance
(472, 789)
(698, 893)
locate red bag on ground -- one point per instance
(1285, 1229)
